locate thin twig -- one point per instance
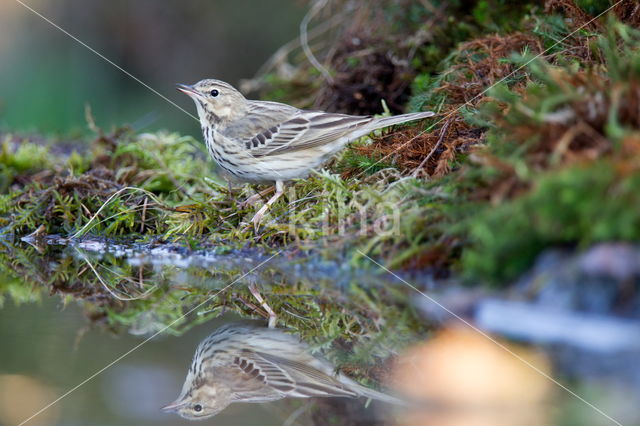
(283, 51)
(304, 39)
(106, 287)
(144, 215)
(106, 203)
(443, 132)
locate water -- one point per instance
(52, 351)
(108, 330)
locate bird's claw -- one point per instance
(255, 198)
(257, 218)
(273, 318)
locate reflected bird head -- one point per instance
(241, 362)
(199, 401)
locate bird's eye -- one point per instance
(197, 408)
(215, 93)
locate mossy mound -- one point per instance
(534, 145)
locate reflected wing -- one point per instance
(251, 378)
(258, 376)
(309, 382)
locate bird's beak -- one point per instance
(174, 406)
(187, 90)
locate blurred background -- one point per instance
(46, 78)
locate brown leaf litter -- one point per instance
(478, 65)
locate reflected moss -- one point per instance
(129, 288)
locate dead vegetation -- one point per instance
(503, 120)
(364, 78)
(479, 64)
(475, 66)
(367, 67)
(626, 11)
(362, 59)
(421, 153)
(574, 14)
(575, 132)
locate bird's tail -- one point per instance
(379, 123)
(380, 396)
(399, 119)
(370, 393)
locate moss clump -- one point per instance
(130, 181)
(579, 205)
(371, 55)
(560, 162)
(431, 197)
(21, 158)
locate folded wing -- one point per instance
(306, 130)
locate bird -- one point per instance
(265, 142)
(245, 362)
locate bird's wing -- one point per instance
(308, 381)
(252, 378)
(258, 376)
(270, 128)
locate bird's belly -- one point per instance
(241, 165)
(293, 165)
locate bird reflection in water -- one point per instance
(242, 362)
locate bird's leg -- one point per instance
(255, 197)
(230, 189)
(272, 315)
(258, 216)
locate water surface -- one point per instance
(116, 326)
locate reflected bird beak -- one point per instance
(188, 90)
(174, 406)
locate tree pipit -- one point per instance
(244, 363)
(264, 142)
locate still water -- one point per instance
(104, 333)
(51, 351)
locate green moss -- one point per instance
(581, 205)
(532, 147)
(490, 216)
(594, 7)
(19, 158)
(26, 157)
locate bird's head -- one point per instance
(217, 102)
(200, 400)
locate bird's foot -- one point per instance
(255, 198)
(273, 318)
(258, 216)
